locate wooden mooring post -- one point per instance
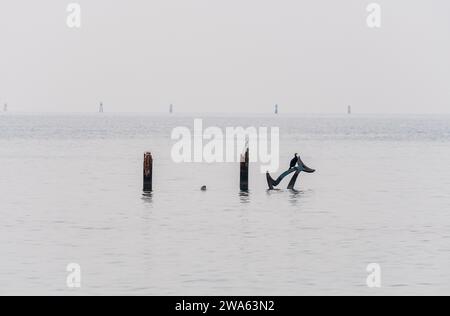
(148, 172)
(245, 159)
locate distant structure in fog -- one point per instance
(276, 108)
(5, 107)
(100, 110)
(171, 109)
(349, 110)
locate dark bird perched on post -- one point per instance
(294, 161)
(297, 169)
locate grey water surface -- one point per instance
(71, 192)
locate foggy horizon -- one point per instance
(225, 57)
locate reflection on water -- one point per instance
(244, 197)
(294, 197)
(147, 197)
(179, 240)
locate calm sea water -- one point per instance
(70, 190)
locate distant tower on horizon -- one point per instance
(276, 108)
(5, 107)
(171, 109)
(349, 110)
(100, 110)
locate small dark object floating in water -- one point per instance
(203, 188)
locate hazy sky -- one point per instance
(226, 56)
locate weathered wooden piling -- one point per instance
(148, 172)
(245, 159)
